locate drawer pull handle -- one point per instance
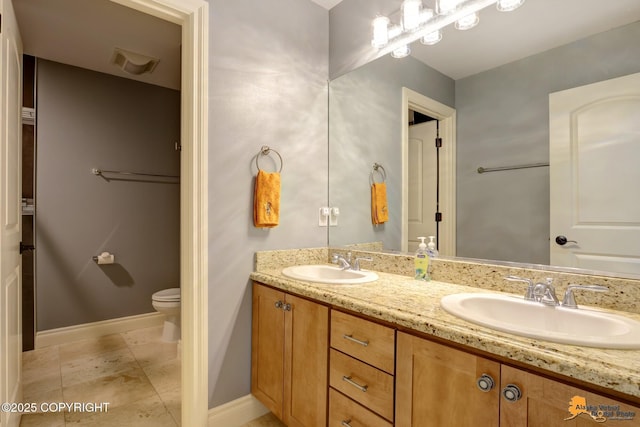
(346, 423)
(362, 388)
(355, 340)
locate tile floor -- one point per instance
(268, 420)
(136, 372)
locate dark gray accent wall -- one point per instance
(503, 119)
(365, 127)
(267, 86)
(91, 120)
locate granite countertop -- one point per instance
(416, 305)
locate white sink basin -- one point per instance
(513, 314)
(321, 273)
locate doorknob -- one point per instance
(562, 240)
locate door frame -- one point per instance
(447, 117)
(193, 17)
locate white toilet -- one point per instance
(167, 301)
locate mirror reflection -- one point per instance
(501, 118)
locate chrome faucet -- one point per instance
(569, 300)
(546, 293)
(343, 263)
(346, 264)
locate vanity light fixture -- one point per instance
(424, 24)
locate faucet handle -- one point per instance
(529, 294)
(356, 263)
(569, 299)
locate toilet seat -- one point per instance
(168, 295)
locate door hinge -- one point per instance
(438, 142)
(438, 216)
(24, 248)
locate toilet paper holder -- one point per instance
(104, 258)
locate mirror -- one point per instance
(502, 119)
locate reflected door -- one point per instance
(594, 176)
(422, 182)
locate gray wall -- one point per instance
(88, 120)
(503, 119)
(268, 86)
(365, 109)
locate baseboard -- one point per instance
(97, 329)
(237, 412)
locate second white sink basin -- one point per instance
(321, 273)
(513, 314)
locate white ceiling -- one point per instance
(537, 26)
(84, 33)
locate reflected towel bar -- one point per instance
(96, 171)
(507, 168)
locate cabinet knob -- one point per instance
(346, 423)
(511, 393)
(485, 383)
(279, 304)
(286, 307)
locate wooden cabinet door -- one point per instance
(548, 403)
(267, 348)
(305, 365)
(436, 386)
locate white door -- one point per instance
(422, 182)
(595, 175)
(10, 215)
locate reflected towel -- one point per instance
(266, 200)
(379, 208)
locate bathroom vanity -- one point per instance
(385, 353)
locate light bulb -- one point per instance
(431, 38)
(411, 14)
(401, 52)
(445, 7)
(468, 21)
(380, 32)
(508, 5)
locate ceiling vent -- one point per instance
(134, 63)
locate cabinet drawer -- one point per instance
(367, 341)
(344, 410)
(365, 384)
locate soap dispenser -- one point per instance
(421, 261)
(431, 247)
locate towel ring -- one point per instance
(377, 167)
(264, 151)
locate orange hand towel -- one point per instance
(266, 200)
(379, 208)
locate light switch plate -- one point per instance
(323, 216)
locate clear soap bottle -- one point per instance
(421, 261)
